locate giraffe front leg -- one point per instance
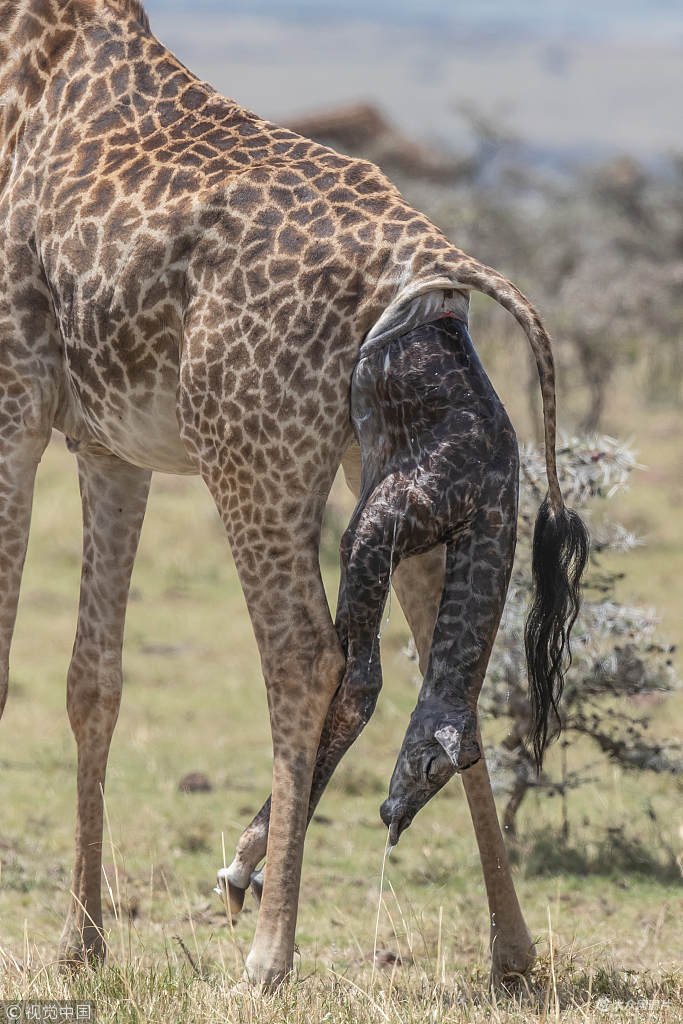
(114, 498)
(26, 410)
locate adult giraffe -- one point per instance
(185, 288)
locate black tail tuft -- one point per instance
(560, 553)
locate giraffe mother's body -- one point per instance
(185, 289)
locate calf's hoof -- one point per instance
(230, 893)
(458, 738)
(470, 751)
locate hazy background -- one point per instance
(573, 79)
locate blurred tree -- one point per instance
(599, 250)
(616, 651)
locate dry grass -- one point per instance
(184, 987)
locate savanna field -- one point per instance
(606, 902)
(599, 874)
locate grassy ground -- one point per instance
(194, 701)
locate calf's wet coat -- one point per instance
(440, 466)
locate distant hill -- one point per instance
(565, 95)
(655, 18)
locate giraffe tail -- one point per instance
(560, 543)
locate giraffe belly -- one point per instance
(145, 434)
(151, 441)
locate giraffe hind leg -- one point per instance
(344, 721)
(346, 716)
(277, 561)
(419, 583)
(243, 872)
(338, 734)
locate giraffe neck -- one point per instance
(44, 43)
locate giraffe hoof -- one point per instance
(508, 966)
(77, 949)
(230, 893)
(267, 974)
